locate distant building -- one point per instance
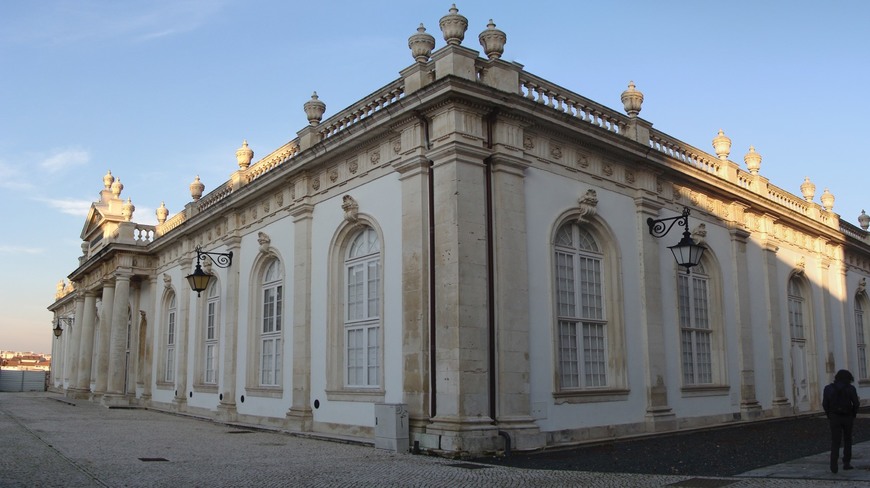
(471, 242)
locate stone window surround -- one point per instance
(255, 317)
(617, 388)
(335, 356)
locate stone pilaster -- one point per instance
(230, 331)
(299, 417)
(414, 171)
(183, 341)
(463, 419)
(75, 340)
(511, 282)
(781, 405)
(749, 406)
(146, 346)
(118, 341)
(86, 347)
(102, 355)
(659, 415)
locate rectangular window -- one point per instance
(582, 337)
(270, 366)
(169, 375)
(695, 332)
(209, 363)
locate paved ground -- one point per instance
(46, 442)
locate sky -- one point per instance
(159, 92)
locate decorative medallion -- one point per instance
(629, 176)
(528, 143)
(556, 152)
(397, 146)
(375, 158)
(315, 183)
(607, 169)
(583, 161)
(352, 166)
(333, 174)
(279, 199)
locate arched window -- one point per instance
(210, 336)
(795, 310)
(580, 308)
(362, 322)
(169, 341)
(272, 293)
(696, 332)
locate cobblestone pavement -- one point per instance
(47, 441)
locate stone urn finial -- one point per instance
(752, 160)
(492, 40)
(722, 145)
(244, 155)
(864, 220)
(827, 200)
(453, 26)
(162, 213)
(314, 109)
(808, 189)
(108, 180)
(632, 99)
(117, 188)
(127, 210)
(196, 189)
(421, 45)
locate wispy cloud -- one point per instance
(20, 250)
(65, 22)
(78, 208)
(11, 178)
(64, 159)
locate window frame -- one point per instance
(338, 388)
(611, 319)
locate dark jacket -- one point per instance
(851, 394)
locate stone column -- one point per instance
(659, 415)
(511, 282)
(183, 331)
(102, 355)
(146, 345)
(414, 177)
(230, 331)
(749, 406)
(462, 358)
(132, 345)
(75, 339)
(299, 417)
(781, 404)
(86, 347)
(118, 340)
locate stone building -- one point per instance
(471, 243)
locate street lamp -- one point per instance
(58, 330)
(199, 279)
(686, 252)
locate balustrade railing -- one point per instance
(214, 196)
(565, 101)
(165, 227)
(143, 234)
(363, 109)
(272, 161)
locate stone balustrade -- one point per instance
(166, 227)
(363, 109)
(568, 102)
(684, 152)
(272, 161)
(214, 196)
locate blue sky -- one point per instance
(161, 91)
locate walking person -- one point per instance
(840, 401)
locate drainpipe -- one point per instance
(433, 403)
(490, 273)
